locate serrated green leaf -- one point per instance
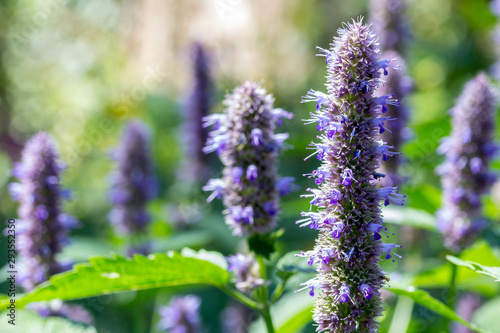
(412, 217)
(466, 279)
(423, 298)
(112, 275)
(492, 271)
(29, 322)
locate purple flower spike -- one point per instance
(133, 183)
(41, 230)
(465, 173)
(181, 315)
(246, 271)
(248, 148)
(194, 166)
(348, 217)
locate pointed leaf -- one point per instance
(492, 271)
(412, 217)
(112, 275)
(423, 298)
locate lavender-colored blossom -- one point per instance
(43, 227)
(245, 141)
(133, 184)
(389, 23)
(465, 172)
(467, 304)
(393, 125)
(246, 271)
(57, 308)
(194, 134)
(181, 315)
(236, 318)
(348, 248)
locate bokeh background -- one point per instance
(80, 69)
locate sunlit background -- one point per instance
(79, 69)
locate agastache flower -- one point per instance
(197, 106)
(465, 172)
(43, 227)
(389, 23)
(133, 185)
(245, 141)
(348, 248)
(396, 132)
(246, 271)
(181, 315)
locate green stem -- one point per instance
(242, 298)
(452, 290)
(278, 291)
(266, 314)
(264, 294)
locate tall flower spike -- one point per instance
(390, 24)
(133, 185)
(465, 172)
(43, 227)
(348, 249)
(245, 141)
(181, 315)
(393, 125)
(194, 134)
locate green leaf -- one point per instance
(290, 264)
(291, 313)
(29, 322)
(112, 275)
(439, 277)
(83, 248)
(412, 217)
(494, 272)
(423, 298)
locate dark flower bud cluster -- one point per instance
(465, 173)
(181, 315)
(133, 185)
(43, 227)
(348, 216)
(245, 141)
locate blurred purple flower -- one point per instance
(181, 315)
(43, 227)
(194, 134)
(246, 271)
(133, 183)
(465, 172)
(390, 24)
(244, 139)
